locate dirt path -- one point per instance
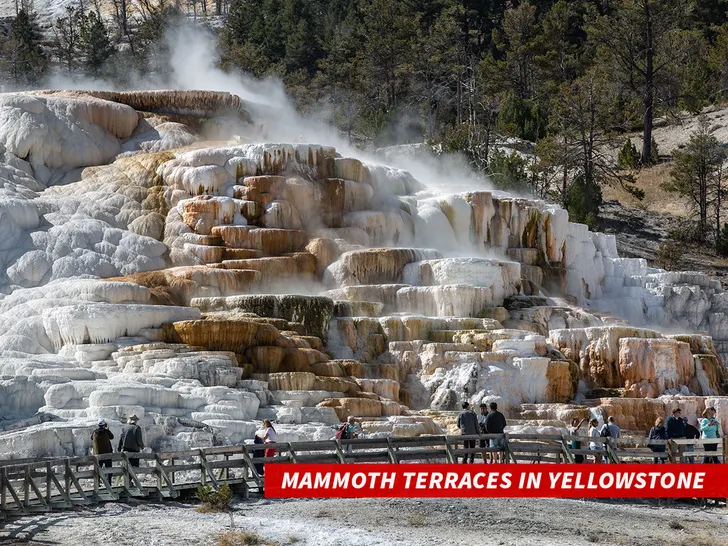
(408, 522)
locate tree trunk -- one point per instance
(703, 201)
(565, 179)
(717, 209)
(649, 95)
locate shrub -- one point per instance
(688, 231)
(241, 538)
(669, 255)
(583, 201)
(629, 157)
(721, 245)
(214, 500)
(523, 118)
(417, 520)
(508, 171)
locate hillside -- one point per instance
(641, 226)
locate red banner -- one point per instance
(501, 480)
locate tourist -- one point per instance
(354, 427)
(495, 423)
(258, 453)
(614, 430)
(131, 440)
(611, 430)
(691, 433)
(101, 438)
(595, 446)
(675, 428)
(269, 437)
(710, 429)
(468, 425)
(658, 432)
(353, 430)
(574, 431)
(481, 423)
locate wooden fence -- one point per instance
(43, 485)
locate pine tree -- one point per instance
(641, 41)
(628, 157)
(95, 44)
(26, 60)
(698, 174)
(302, 45)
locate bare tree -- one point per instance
(66, 31)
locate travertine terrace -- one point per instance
(158, 259)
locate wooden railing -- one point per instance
(42, 485)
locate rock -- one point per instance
(314, 312)
(265, 359)
(222, 334)
(651, 366)
(358, 407)
(292, 381)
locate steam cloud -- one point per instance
(192, 65)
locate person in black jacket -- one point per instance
(675, 425)
(101, 438)
(675, 428)
(481, 425)
(658, 432)
(468, 425)
(495, 423)
(131, 440)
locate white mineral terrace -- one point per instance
(205, 286)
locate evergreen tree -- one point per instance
(95, 44)
(388, 31)
(303, 49)
(25, 59)
(628, 157)
(640, 41)
(698, 175)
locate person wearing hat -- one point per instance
(131, 440)
(675, 425)
(101, 438)
(675, 428)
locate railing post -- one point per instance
(203, 471)
(67, 478)
(49, 482)
(97, 477)
(26, 488)
(157, 464)
(125, 474)
(449, 457)
(390, 451)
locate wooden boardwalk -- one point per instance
(44, 485)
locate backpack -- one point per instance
(342, 433)
(605, 433)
